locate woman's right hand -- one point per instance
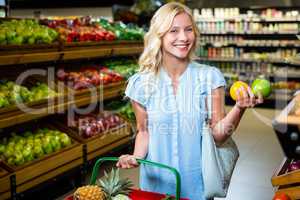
(127, 161)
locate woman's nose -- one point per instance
(182, 36)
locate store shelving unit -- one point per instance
(17, 180)
(245, 43)
(286, 127)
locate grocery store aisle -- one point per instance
(260, 155)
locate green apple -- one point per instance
(11, 143)
(29, 158)
(27, 151)
(19, 159)
(65, 139)
(9, 151)
(261, 86)
(21, 141)
(38, 151)
(56, 143)
(18, 147)
(47, 147)
(31, 40)
(11, 161)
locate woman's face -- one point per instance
(179, 39)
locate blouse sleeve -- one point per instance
(135, 89)
(217, 77)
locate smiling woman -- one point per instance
(179, 40)
(169, 96)
(167, 23)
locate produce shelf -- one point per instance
(283, 61)
(100, 140)
(11, 55)
(287, 182)
(296, 44)
(50, 174)
(4, 182)
(282, 177)
(287, 116)
(45, 167)
(29, 84)
(18, 116)
(254, 34)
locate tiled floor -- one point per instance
(260, 155)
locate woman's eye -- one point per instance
(189, 29)
(173, 31)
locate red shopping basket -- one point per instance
(140, 194)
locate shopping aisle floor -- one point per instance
(260, 155)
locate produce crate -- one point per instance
(25, 48)
(110, 89)
(288, 115)
(28, 48)
(48, 166)
(4, 182)
(29, 83)
(287, 182)
(105, 140)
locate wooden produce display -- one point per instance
(90, 80)
(291, 113)
(34, 172)
(10, 55)
(102, 141)
(4, 182)
(286, 126)
(287, 182)
(14, 59)
(13, 93)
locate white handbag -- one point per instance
(218, 162)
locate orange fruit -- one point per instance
(235, 87)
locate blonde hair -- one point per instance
(161, 22)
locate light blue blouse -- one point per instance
(174, 125)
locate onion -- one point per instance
(295, 165)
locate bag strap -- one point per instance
(205, 80)
(209, 96)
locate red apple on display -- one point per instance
(295, 165)
(261, 86)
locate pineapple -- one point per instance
(113, 186)
(89, 192)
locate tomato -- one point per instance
(281, 196)
(237, 86)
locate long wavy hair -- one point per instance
(161, 22)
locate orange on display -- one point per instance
(238, 85)
(281, 196)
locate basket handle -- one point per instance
(140, 161)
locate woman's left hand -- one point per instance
(246, 98)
